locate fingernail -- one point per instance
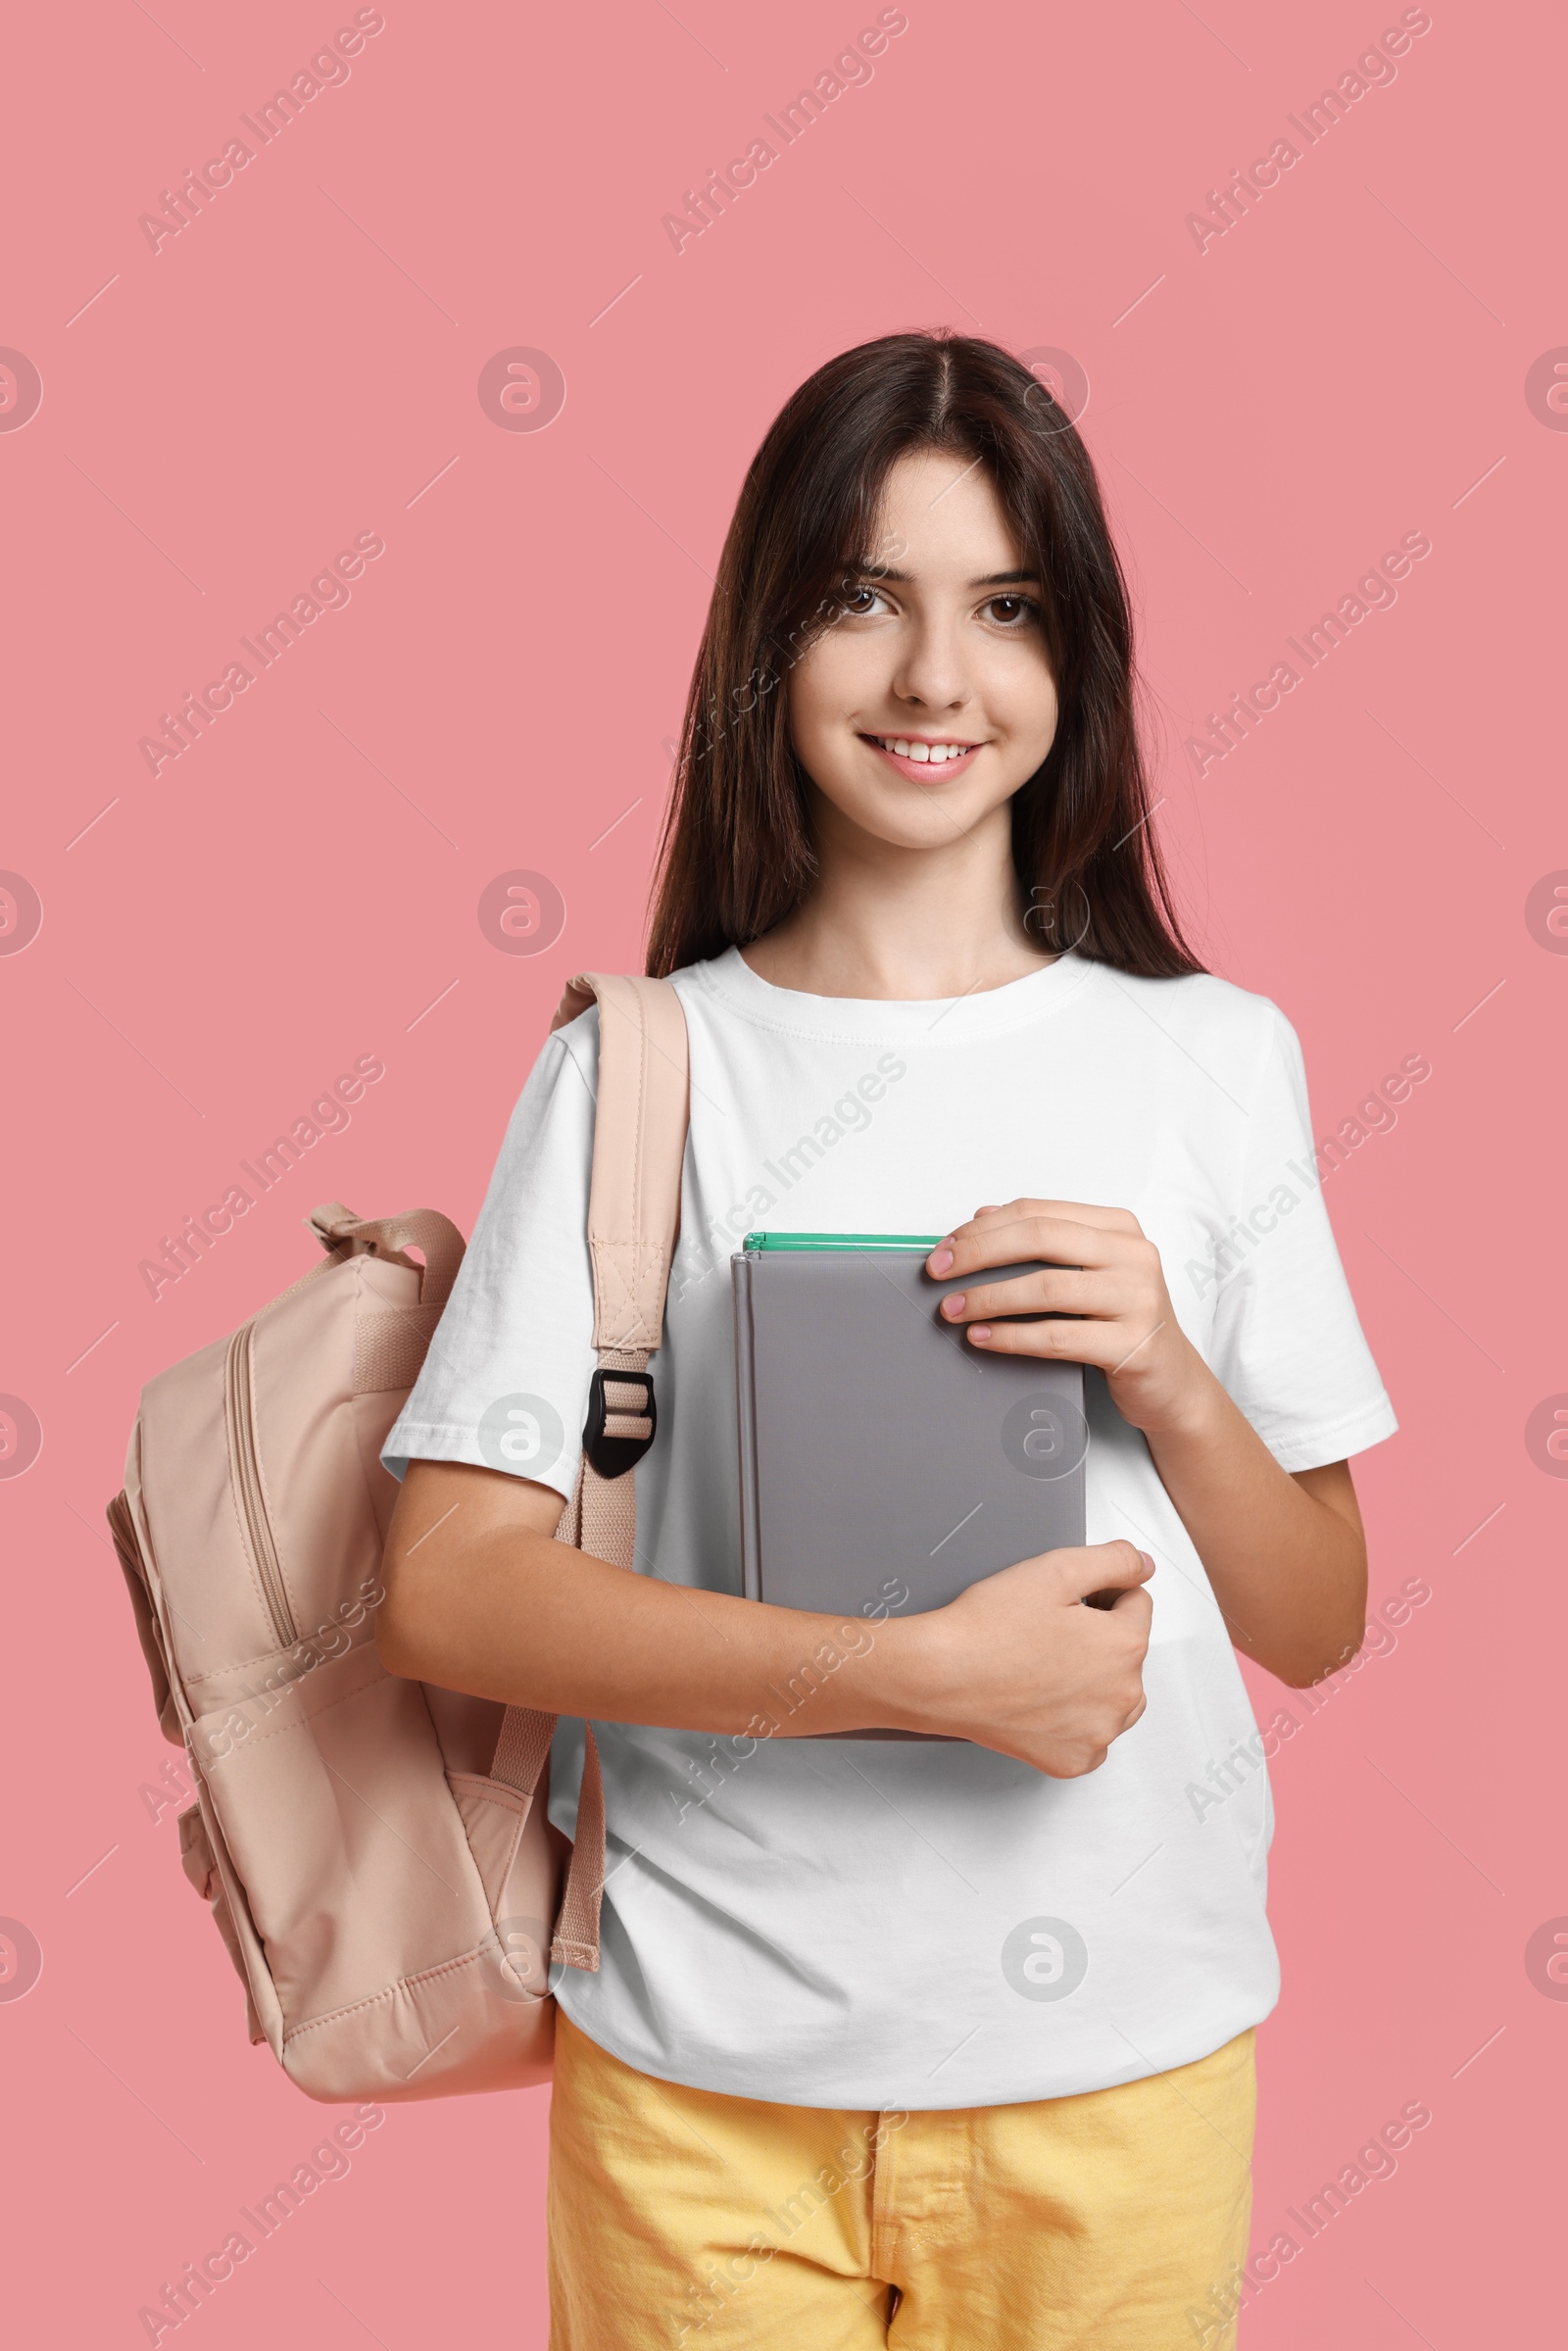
(941, 1259)
(980, 1333)
(1147, 1560)
(954, 1305)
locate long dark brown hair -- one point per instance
(736, 856)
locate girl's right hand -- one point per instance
(1018, 1663)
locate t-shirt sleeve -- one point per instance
(1286, 1344)
(505, 1384)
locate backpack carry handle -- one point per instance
(389, 1236)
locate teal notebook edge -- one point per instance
(924, 1242)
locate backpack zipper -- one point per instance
(248, 1483)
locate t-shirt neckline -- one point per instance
(987, 1012)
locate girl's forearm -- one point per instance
(480, 1597)
(534, 1623)
(1288, 1566)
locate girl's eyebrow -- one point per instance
(992, 580)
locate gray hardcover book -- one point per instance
(886, 1464)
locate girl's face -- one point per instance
(930, 701)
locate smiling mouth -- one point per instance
(921, 752)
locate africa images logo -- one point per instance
(21, 390)
(523, 1434)
(1045, 1959)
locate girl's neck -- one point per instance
(904, 925)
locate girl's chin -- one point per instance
(918, 826)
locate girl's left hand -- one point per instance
(1104, 1270)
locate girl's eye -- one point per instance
(1012, 612)
(860, 601)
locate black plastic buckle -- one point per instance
(610, 1456)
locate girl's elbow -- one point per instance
(1324, 1656)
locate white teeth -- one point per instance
(933, 753)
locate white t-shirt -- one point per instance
(877, 1924)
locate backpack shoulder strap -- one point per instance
(640, 1119)
(639, 1143)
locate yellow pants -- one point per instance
(1111, 2222)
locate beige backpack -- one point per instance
(376, 1851)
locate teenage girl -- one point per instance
(922, 2043)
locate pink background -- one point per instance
(299, 365)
